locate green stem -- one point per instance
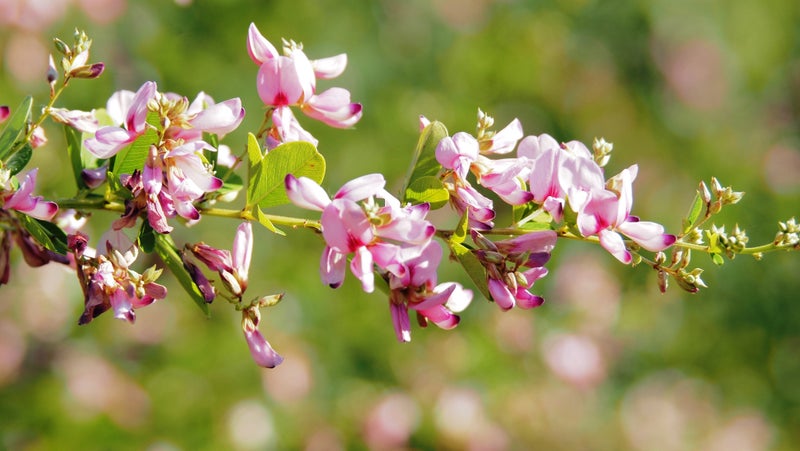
(275, 219)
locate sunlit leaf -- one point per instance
(462, 229)
(266, 180)
(264, 221)
(427, 189)
(424, 163)
(165, 248)
(15, 127)
(694, 213)
(133, 157)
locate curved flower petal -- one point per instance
(220, 118)
(306, 193)
(361, 187)
(332, 267)
(333, 107)
(258, 47)
(613, 243)
(260, 349)
(109, 140)
(649, 235)
(331, 67)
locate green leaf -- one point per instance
(717, 259)
(45, 233)
(266, 185)
(134, 156)
(165, 248)
(472, 266)
(462, 229)
(694, 213)
(424, 163)
(74, 144)
(428, 189)
(147, 237)
(19, 159)
(16, 127)
(264, 221)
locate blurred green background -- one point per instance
(686, 89)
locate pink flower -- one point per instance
(108, 280)
(286, 128)
(110, 140)
(417, 290)
(607, 212)
(362, 219)
(261, 350)
(291, 80)
(233, 266)
(558, 171)
(23, 201)
(513, 265)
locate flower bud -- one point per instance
(663, 281)
(52, 72)
(87, 71)
(62, 48)
(705, 194)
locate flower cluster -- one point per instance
(556, 178)
(159, 158)
(175, 173)
(365, 220)
(107, 279)
(290, 80)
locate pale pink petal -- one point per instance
(442, 317)
(361, 266)
(437, 298)
(402, 325)
(501, 295)
(333, 107)
(108, 141)
(306, 193)
(221, 118)
(345, 226)
(361, 187)
(242, 250)
(278, 82)
(118, 105)
(137, 113)
(613, 243)
(261, 350)
(533, 146)
(526, 300)
(460, 297)
(258, 47)
(504, 141)
(331, 67)
(332, 267)
(649, 235)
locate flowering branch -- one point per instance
(154, 157)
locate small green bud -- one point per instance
(62, 48)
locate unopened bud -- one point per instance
(88, 71)
(52, 72)
(482, 242)
(62, 48)
(660, 258)
(270, 300)
(704, 193)
(663, 281)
